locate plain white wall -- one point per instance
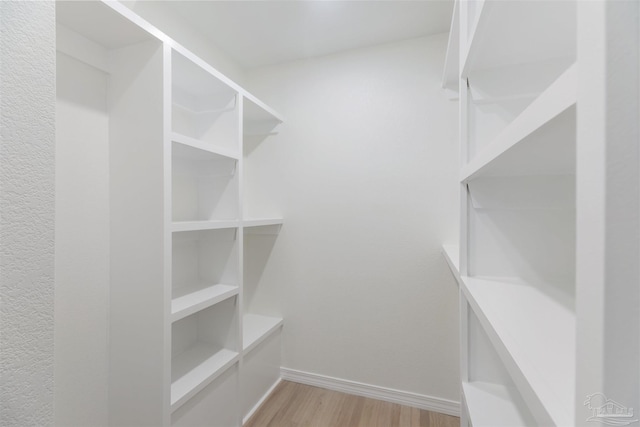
(82, 244)
(27, 124)
(364, 172)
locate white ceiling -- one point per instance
(256, 33)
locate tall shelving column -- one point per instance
(261, 322)
(205, 258)
(530, 288)
(518, 96)
(174, 128)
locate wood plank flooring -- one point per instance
(299, 405)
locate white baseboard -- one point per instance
(421, 401)
(261, 401)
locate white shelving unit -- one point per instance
(185, 347)
(262, 319)
(538, 254)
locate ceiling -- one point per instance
(257, 33)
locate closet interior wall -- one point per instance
(367, 179)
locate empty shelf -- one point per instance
(197, 367)
(452, 255)
(187, 301)
(553, 23)
(494, 405)
(515, 152)
(523, 323)
(257, 111)
(185, 146)
(179, 226)
(260, 222)
(256, 328)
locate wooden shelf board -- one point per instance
(495, 405)
(180, 226)
(196, 368)
(189, 300)
(523, 323)
(514, 153)
(185, 146)
(256, 328)
(452, 255)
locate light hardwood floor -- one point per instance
(298, 405)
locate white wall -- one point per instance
(82, 244)
(27, 123)
(162, 16)
(364, 171)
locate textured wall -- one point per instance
(364, 170)
(27, 90)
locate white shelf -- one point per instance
(261, 222)
(262, 225)
(452, 255)
(258, 119)
(450, 78)
(524, 324)
(191, 148)
(494, 405)
(535, 124)
(257, 111)
(198, 86)
(536, 30)
(517, 152)
(196, 368)
(179, 226)
(188, 300)
(256, 328)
